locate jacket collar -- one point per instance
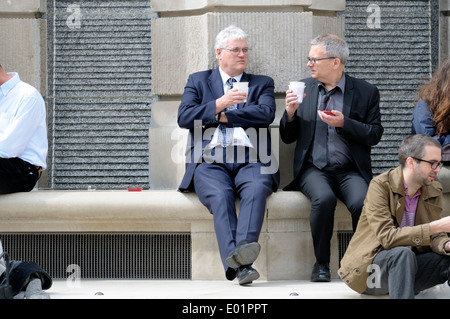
(396, 182)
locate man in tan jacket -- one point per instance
(401, 246)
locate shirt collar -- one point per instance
(8, 85)
(340, 85)
(405, 187)
(225, 77)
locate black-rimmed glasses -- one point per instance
(434, 165)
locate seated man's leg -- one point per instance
(17, 175)
(253, 188)
(393, 272)
(317, 186)
(432, 269)
(215, 189)
(353, 190)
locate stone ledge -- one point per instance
(286, 244)
(286, 247)
(164, 5)
(57, 210)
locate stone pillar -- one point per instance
(23, 44)
(22, 40)
(183, 42)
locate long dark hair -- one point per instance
(436, 93)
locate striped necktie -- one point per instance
(226, 134)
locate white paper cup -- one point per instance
(298, 88)
(241, 87)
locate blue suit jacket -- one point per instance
(362, 126)
(197, 113)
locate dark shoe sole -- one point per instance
(320, 279)
(244, 254)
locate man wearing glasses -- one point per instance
(401, 246)
(332, 153)
(219, 168)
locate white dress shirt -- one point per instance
(240, 138)
(23, 127)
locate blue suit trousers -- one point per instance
(218, 185)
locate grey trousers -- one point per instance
(402, 273)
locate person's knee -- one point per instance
(324, 202)
(403, 255)
(256, 188)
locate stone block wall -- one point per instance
(183, 43)
(22, 40)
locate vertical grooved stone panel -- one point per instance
(396, 57)
(100, 80)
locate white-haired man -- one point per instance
(220, 170)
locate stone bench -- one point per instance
(287, 251)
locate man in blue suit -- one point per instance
(332, 152)
(220, 169)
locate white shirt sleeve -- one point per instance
(18, 129)
(23, 127)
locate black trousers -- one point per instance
(17, 175)
(323, 187)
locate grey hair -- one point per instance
(333, 46)
(230, 33)
(414, 146)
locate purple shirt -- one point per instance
(410, 207)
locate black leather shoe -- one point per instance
(245, 253)
(246, 275)
(321, 272)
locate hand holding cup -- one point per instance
(298, 88)
(241, 87)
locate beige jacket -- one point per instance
(378, 227)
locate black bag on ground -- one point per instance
(5, 287)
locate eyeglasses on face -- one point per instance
(434, 165)
(237, 50)
(314, 60)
